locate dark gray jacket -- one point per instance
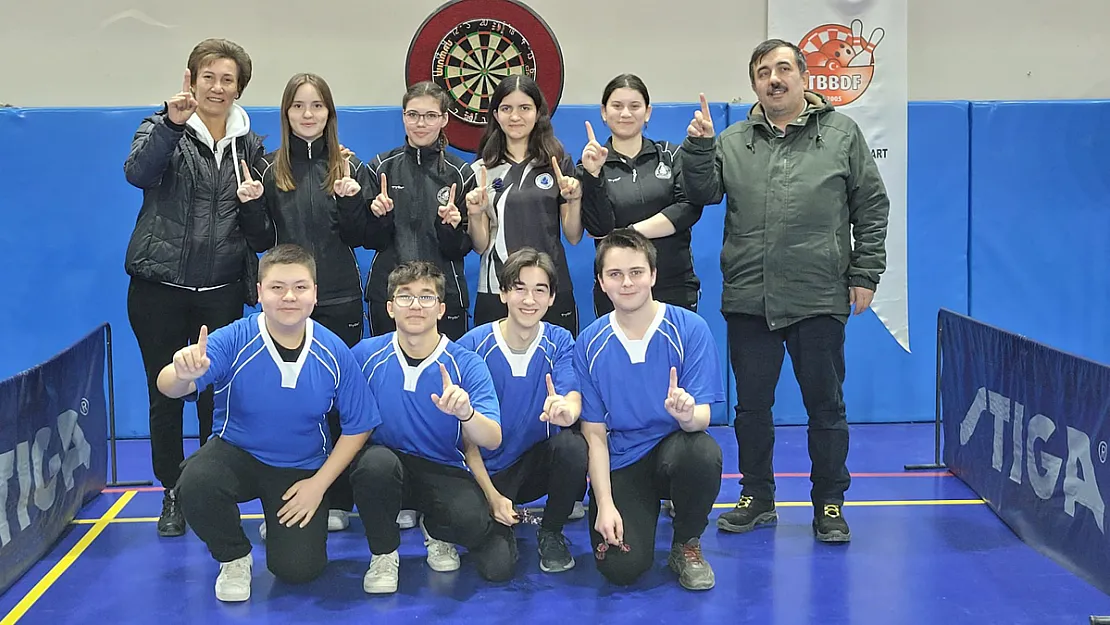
(188, 231)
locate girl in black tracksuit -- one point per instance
(313, 199)
(639, 185)
(419, 176)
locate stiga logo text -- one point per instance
(37, 476)
(1027, 456)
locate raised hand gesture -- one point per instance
(679, 403)
(454, 400)
(555, 407)
(182, 106)
(478, 198)
(382, 204)
(345, 186)
(594, 154)
(569, 187)
(449, 214)
(249, 189)
(189, 363)
(702, 124)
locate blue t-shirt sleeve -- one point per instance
(593, 408)
(478, 384)
(358, 409)
(701, 372)
(468, 341)
(223, 344)
(562, 369)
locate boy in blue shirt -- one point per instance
(531, 362)
(434, 397)
(276, 374)
(648, 374)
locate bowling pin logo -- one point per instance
(841, 60)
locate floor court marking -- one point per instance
(67, 560)
(779, 504)
(724, 476)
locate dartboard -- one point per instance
(468, 46)
(473, 58)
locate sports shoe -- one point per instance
(172, 521)
(694, 573)
(829, 524)
(406, 519)
(748, 513)
(234, 581)
(554, 555)
(442, 556)
(577, 512)
(381, 577)
(338, 520)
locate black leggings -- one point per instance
(218, 477)
(684, 467)
(454, 507)
(555, 467)
(164, 319)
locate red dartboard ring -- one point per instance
(467, 46)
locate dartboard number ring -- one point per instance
(469, 46)
(473, 58)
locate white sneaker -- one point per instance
(406, 519)
(577, 512)
(234, 581)
(442, 556)
(262, 530)
(338, 520)
(381, 577)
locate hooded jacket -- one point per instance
(188, 232)
(796, 200)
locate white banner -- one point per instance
(856, 53)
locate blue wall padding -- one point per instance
(1040, 222)
(70, 213)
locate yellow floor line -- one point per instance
(52, 576)
(780, 504)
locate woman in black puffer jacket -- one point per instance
(190, 257)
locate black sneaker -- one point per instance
(829, 524)
(172, 521)
(554, 555)
(747, 514)
(694, 573)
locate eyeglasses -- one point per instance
(405, 301)
(430, 117)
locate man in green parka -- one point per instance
(801, 184)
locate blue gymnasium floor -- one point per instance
(925, 549)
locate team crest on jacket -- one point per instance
(544, 181)
(444, 196)
(662, 172)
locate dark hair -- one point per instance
(770, 46)
(286, 254)
(626, 81)
(431, 89)
(525, 257)
(542, 144)
(627, 238)
(415, 271)
(283, 169)
(211, 50)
